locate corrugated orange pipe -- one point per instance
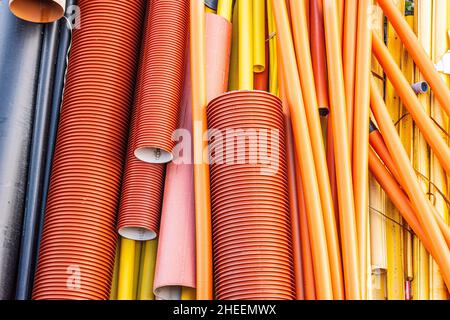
(342, 153)
(418, 54)
(203, 233)
(361, 137)
(305, 69)
(408, 176)
(409, 98)
(303, 147)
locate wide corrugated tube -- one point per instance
(252, 245)
(162, 70)
(79, 240)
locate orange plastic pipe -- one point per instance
(305, 69)
(349, 61)
(341, 17)
(342, 153)
(409, 98)
(203, 232)
(304, 148)
(293, 200)
(307, 260)
(407, 174)
(398, 197)
(318, 55)
(360, 137)
(418, 54)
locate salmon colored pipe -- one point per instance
(312, 114)
(418, 53)
(318, 55)
(201, 169)
(408, 176)
(409, 98)
(342, 153)
(303, 147)
(361, 137)
(349, 61)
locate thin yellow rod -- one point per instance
(245, 44)
(225, 8)
(147, 270)
(113, 292)
(209, 10)
(233, 81)
(273, 66)
(126, 269)
(259, 33)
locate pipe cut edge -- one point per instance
(137, 233)
(41, 11)
(153, 155)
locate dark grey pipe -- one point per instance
(20, 47)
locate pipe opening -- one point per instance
(153, 155)
(137, 233)
(41, 11)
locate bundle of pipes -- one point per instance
(321, 174)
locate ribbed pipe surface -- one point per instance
(252, 247)
(161, 74)
(79, 240)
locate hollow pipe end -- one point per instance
(42, 11)
(153, 155)
(137, 233)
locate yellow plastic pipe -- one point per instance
(115, 278)
(225, 8)
(342, 153)
(125, 288)
(303, 147)
(233, 80)
(203, 232)
(273, 67)
(147, 270)
(408, 176)
(209, 10)
(417, 52)
(187, 293)
(245, 26)
(304, 65)
(259, 39)
(360, 159)
(409, 98)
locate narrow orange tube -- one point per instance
(342, 153)
(361, 137)
(341, 4)
(303, 147)
(305, 69)
(349, 61)
(409, 98)
(203, 233)
(408, 176)
(418, 54)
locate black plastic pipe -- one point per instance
(20, 47)
(36, 169)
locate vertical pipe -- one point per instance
(126, 269)
(259, 39)
(245, 26)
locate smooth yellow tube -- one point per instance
(126, 269)
(113, 292)
(147, 270)
(233, 80)
(259, 39)
(137, 263)
(245, 44)
(209, 10)
(225, 8)
(187, 293)
(273, 66)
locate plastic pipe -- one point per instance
(273, 58)
(245, 26)
(423, 121)
(408, 176)
(259, 36)
(225, 8)
(420, 87)
(418, 53)
(304, 67)
(349, 62)
(147, 270)
(233, 81)
(201, 169)
(361, 137)
(36, 171)
(126, 269)
(341, 6)
(115, 277)
(39, 11)
(20, 50)
(303, 147)
(188, 293)
(342, 153)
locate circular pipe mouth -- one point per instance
(137, 233)
(39, 11)
(153, 155)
